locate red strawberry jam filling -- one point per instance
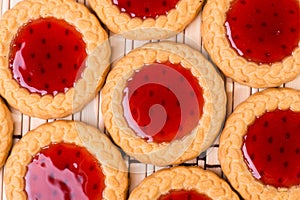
(147, 8)
(46, 56)
(272, 148)
(64, 171)
(184, 195)
(163, 102)
(264, 31)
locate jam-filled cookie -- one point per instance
(163, 103)
(255, 42)
(146, 20)
(53, 57)
(65, 160)
(259, 146)
(183, 183)
(6, 132)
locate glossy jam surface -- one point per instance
(163, 102)
(64, 171)
(272, 148)
(147, 8)
(184, 195)
(46, 56)
(264, 31)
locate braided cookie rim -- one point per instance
(235, 66)
(85, 88)
(73, 132)
(164, 26)
(6, 132)
(183, 178)
(203, 134)
(231, 141)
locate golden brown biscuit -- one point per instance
(50, 105)
(183, 179)
(202, 134)
(250, 129)
(68, 132)
(239, 62)
(6, 132)
(138, 28)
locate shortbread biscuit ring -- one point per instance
(78, 133)
(85, 88)
(177, 151)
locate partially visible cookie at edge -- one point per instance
(140, 24)
(183, 182)
(256, 43)
(259, 145)
(47, 155)
(6, 132)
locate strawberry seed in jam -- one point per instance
(47, 55)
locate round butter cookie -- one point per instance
(65, 160)
(54, 56)
(146, 20)
(6, 132)
(259, 146)
(163, 103)
(184, 183)
(256, 43)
